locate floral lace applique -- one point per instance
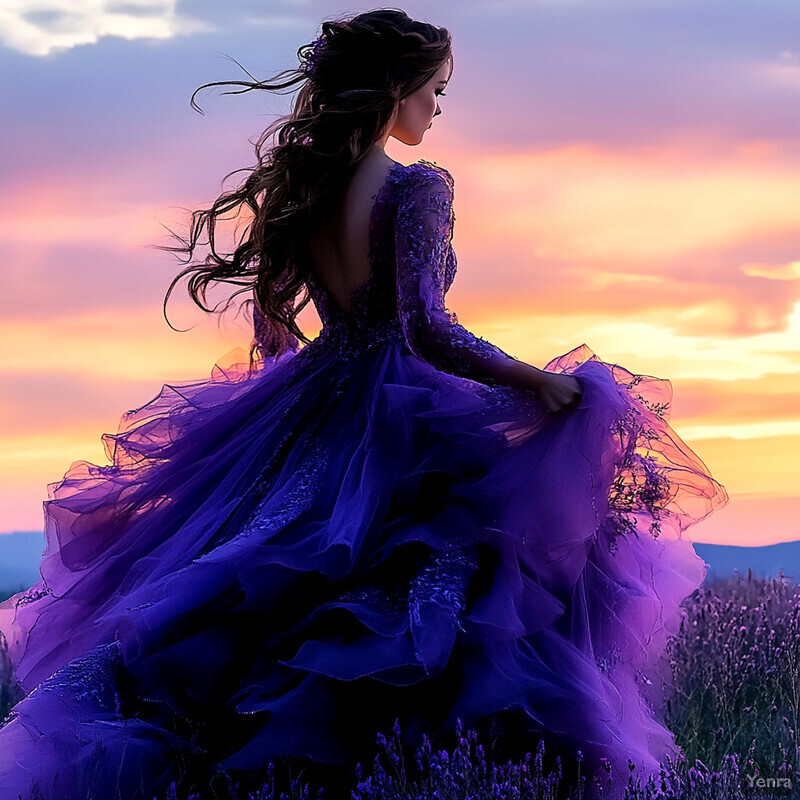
(92, 677)
(389, 599)
(271, 517)
(443, 579)
(32, 595)
(426, 266)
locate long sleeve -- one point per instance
(425, 269)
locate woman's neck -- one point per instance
(377, 153)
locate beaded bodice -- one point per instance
(412, 266)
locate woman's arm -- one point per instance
(423, 233)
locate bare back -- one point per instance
(339, 249)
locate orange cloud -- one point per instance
(644, 255)
(580, 202)
(773, 272)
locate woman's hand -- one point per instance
(557, 391)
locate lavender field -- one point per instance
(734, 712)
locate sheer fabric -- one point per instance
(366, 528)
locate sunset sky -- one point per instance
(627, 175)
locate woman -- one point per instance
(396, 521)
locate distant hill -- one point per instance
(20, 554)
(765, 561)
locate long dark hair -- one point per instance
(352, 80)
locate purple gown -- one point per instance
(364, 528)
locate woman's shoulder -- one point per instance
(422, 173)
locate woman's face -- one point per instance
(415, 113)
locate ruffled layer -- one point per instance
(69, 739)
(295, 558)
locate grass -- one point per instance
(734, 712)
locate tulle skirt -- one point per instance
(291, 558)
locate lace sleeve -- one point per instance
(423, 252)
